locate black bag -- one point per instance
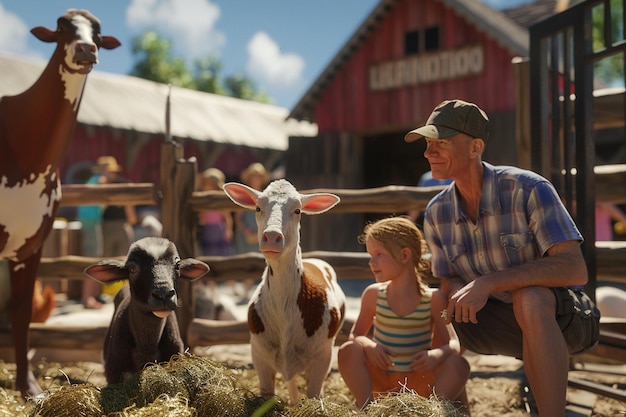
(578, 318)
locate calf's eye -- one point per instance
(298, 211)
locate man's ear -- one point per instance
(478, 146)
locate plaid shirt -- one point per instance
(520, 217)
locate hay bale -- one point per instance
(162, 406)
(313, 407)
(408, 404)
(117, 397)
(70, 401)
(196, 372)
(220, 400)
(155, 380)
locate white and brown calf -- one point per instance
(298, 308)
(143, 328)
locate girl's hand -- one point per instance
(427, 360)
(378, 356)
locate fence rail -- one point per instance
(177, 200)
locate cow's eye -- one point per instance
(132, 270)
(258, 209)
(177, 263)
(298, 211)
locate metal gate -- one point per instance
(567, 54)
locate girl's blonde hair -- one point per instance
(396, 233)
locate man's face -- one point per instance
(449, 158)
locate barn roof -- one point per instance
(495, 23)
(131, 103)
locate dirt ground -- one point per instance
(496, 387)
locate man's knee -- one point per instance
(533, 305)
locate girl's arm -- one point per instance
(444, 341)
(367, 312)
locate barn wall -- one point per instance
(328, 161)
(365, 106)
(350, 103)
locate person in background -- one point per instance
(90, 218)
(246, 239)
(412, 346)
(215, 227)
(426, 180)
(117, 221)
(606, 213)
(508, 255)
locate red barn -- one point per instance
(404, 59)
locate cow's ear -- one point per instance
(44, 34)
(192, 269)
(109, 42)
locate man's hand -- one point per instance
(464, 304)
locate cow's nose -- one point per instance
(86, 47)
(272, 236)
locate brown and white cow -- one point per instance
(36, 127)
(298, 308)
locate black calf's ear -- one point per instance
(107, 271)
(192, 269)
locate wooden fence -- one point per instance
(179, 202)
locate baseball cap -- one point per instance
(450, 118)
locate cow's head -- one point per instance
(78, 34)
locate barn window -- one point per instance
(431, 39)
(411, 42)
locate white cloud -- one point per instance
(14, 33)
(189, 24)
(267, 62)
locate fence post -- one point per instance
(178, 182)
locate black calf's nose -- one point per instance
(163, 294)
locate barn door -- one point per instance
(574, 56)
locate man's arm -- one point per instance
(562, 266)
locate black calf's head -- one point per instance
(153, 268)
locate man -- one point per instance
(504, 246)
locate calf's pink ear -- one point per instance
(193, 269)
(107, 271)
(318, 203)
(241, 194)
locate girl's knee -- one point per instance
(349, 351)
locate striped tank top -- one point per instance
(402, 336)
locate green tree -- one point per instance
(154, 61)
(243, 87)
(610, 70)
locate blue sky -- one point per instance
(282, 45)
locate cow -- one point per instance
(143, 328)
(36, 127)
(297, 310)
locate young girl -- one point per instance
(411, 346)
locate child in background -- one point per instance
(411, 345)
(215, 231)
